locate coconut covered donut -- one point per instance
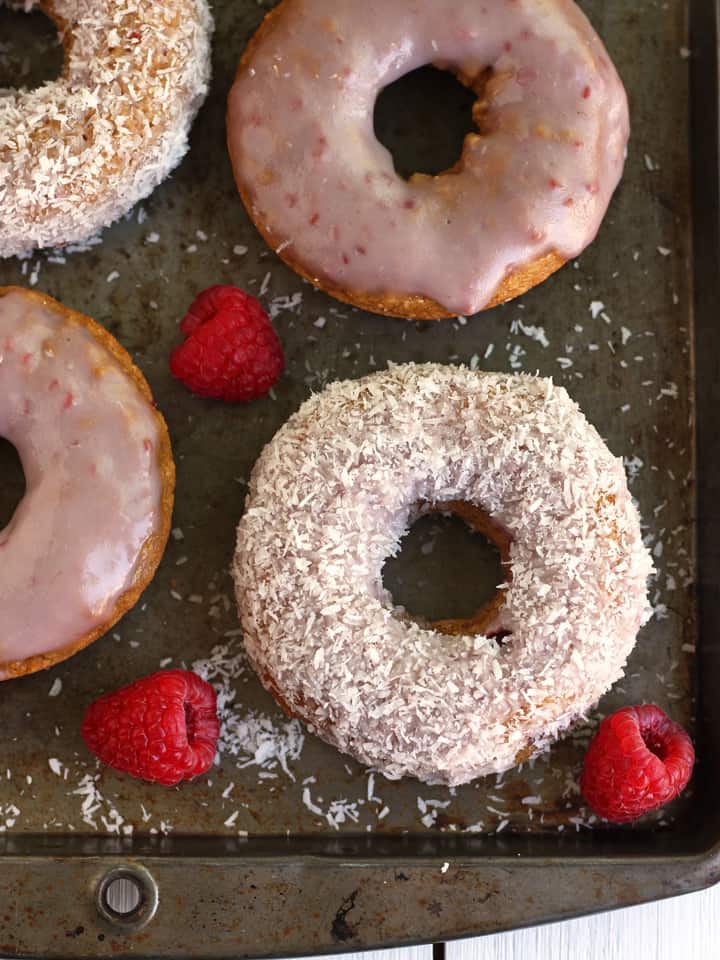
(529, 191)
(90, 531)
(79, 152)
(330, 498)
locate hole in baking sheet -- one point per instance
(444, 570)
(127, 896)
(423, 119)
(12, 482)
(123, 896)
(31, 52)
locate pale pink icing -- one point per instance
(87, 439)
(325, 190)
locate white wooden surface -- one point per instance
(685, 928)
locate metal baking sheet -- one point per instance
(287, 846)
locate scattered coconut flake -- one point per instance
(536, 333)
(251, 738)
(284, 304)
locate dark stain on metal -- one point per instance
(341, 929)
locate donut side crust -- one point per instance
(152, 550)
(409, 306)
(308, 713)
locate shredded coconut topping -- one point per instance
(329, 501)
(79, 152)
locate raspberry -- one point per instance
(207, 303)
(231, 351)
(162, 728)
(639, 760)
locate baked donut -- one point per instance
(79, 152)
(86, 538)
(528, 192)
(329, 500)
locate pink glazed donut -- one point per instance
(528, 193)
(90, 531)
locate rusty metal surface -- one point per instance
(303, 906)
(336, 857)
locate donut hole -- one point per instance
(423, 119)
(31, 52)
(445, 573)
(12, 482)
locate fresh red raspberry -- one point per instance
(231, 351)
(206, 305)
(162, 728)
(639, 760)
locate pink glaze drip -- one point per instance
(87, 440)
(539, 179)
